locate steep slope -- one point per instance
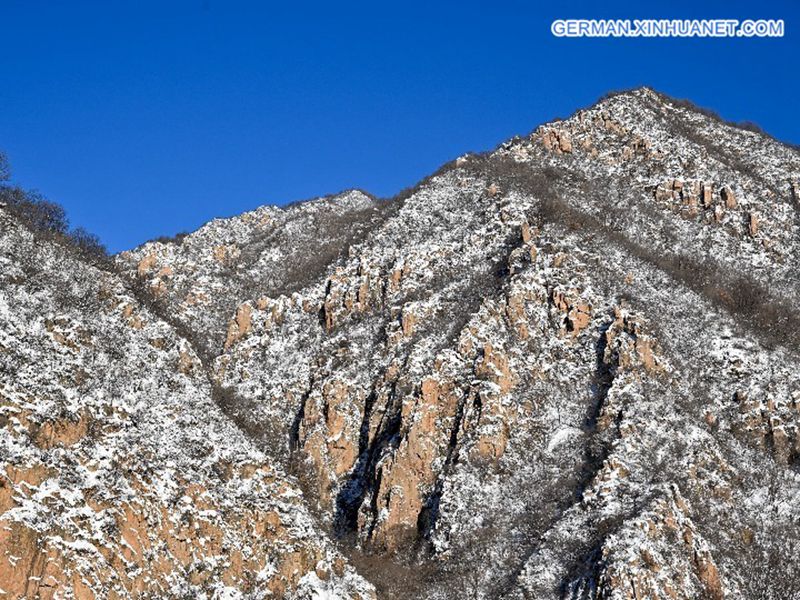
(268, 251)
(119, 477)
(567, 368)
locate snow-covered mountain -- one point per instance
(567, 368)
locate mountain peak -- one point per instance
(562, 369)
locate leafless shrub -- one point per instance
(395, 576)
(33, 210)
(176, 239)
(760, 545)
(5, 168)
(88, 243)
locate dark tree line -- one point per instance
(45, 218)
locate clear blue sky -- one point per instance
(149, 118)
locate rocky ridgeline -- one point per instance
(562, 369)
(229, 261)
(717, 178)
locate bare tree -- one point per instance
(771, 547)
(5, 168)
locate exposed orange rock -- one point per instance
(609, 123)
(342, 435)
(334, 299)
(753, 224)
(769, 425)
(363, 292)
(62, 432)
(492, 446)
(627, 339)
(407, 474)
(525, 232)
(153, 545)
(240, 326)
(329, 434)
(493, 366)
(407, 322)
(578, 311)
(557, 141)
(220, 253)
(707, 193)
(729, 198)
(20, 560)
(158, 288)
(492, 429)
(146, 265)
(579, 317)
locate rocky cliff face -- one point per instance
(567, 368)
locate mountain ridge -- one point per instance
(564, 368)
(682, 103)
